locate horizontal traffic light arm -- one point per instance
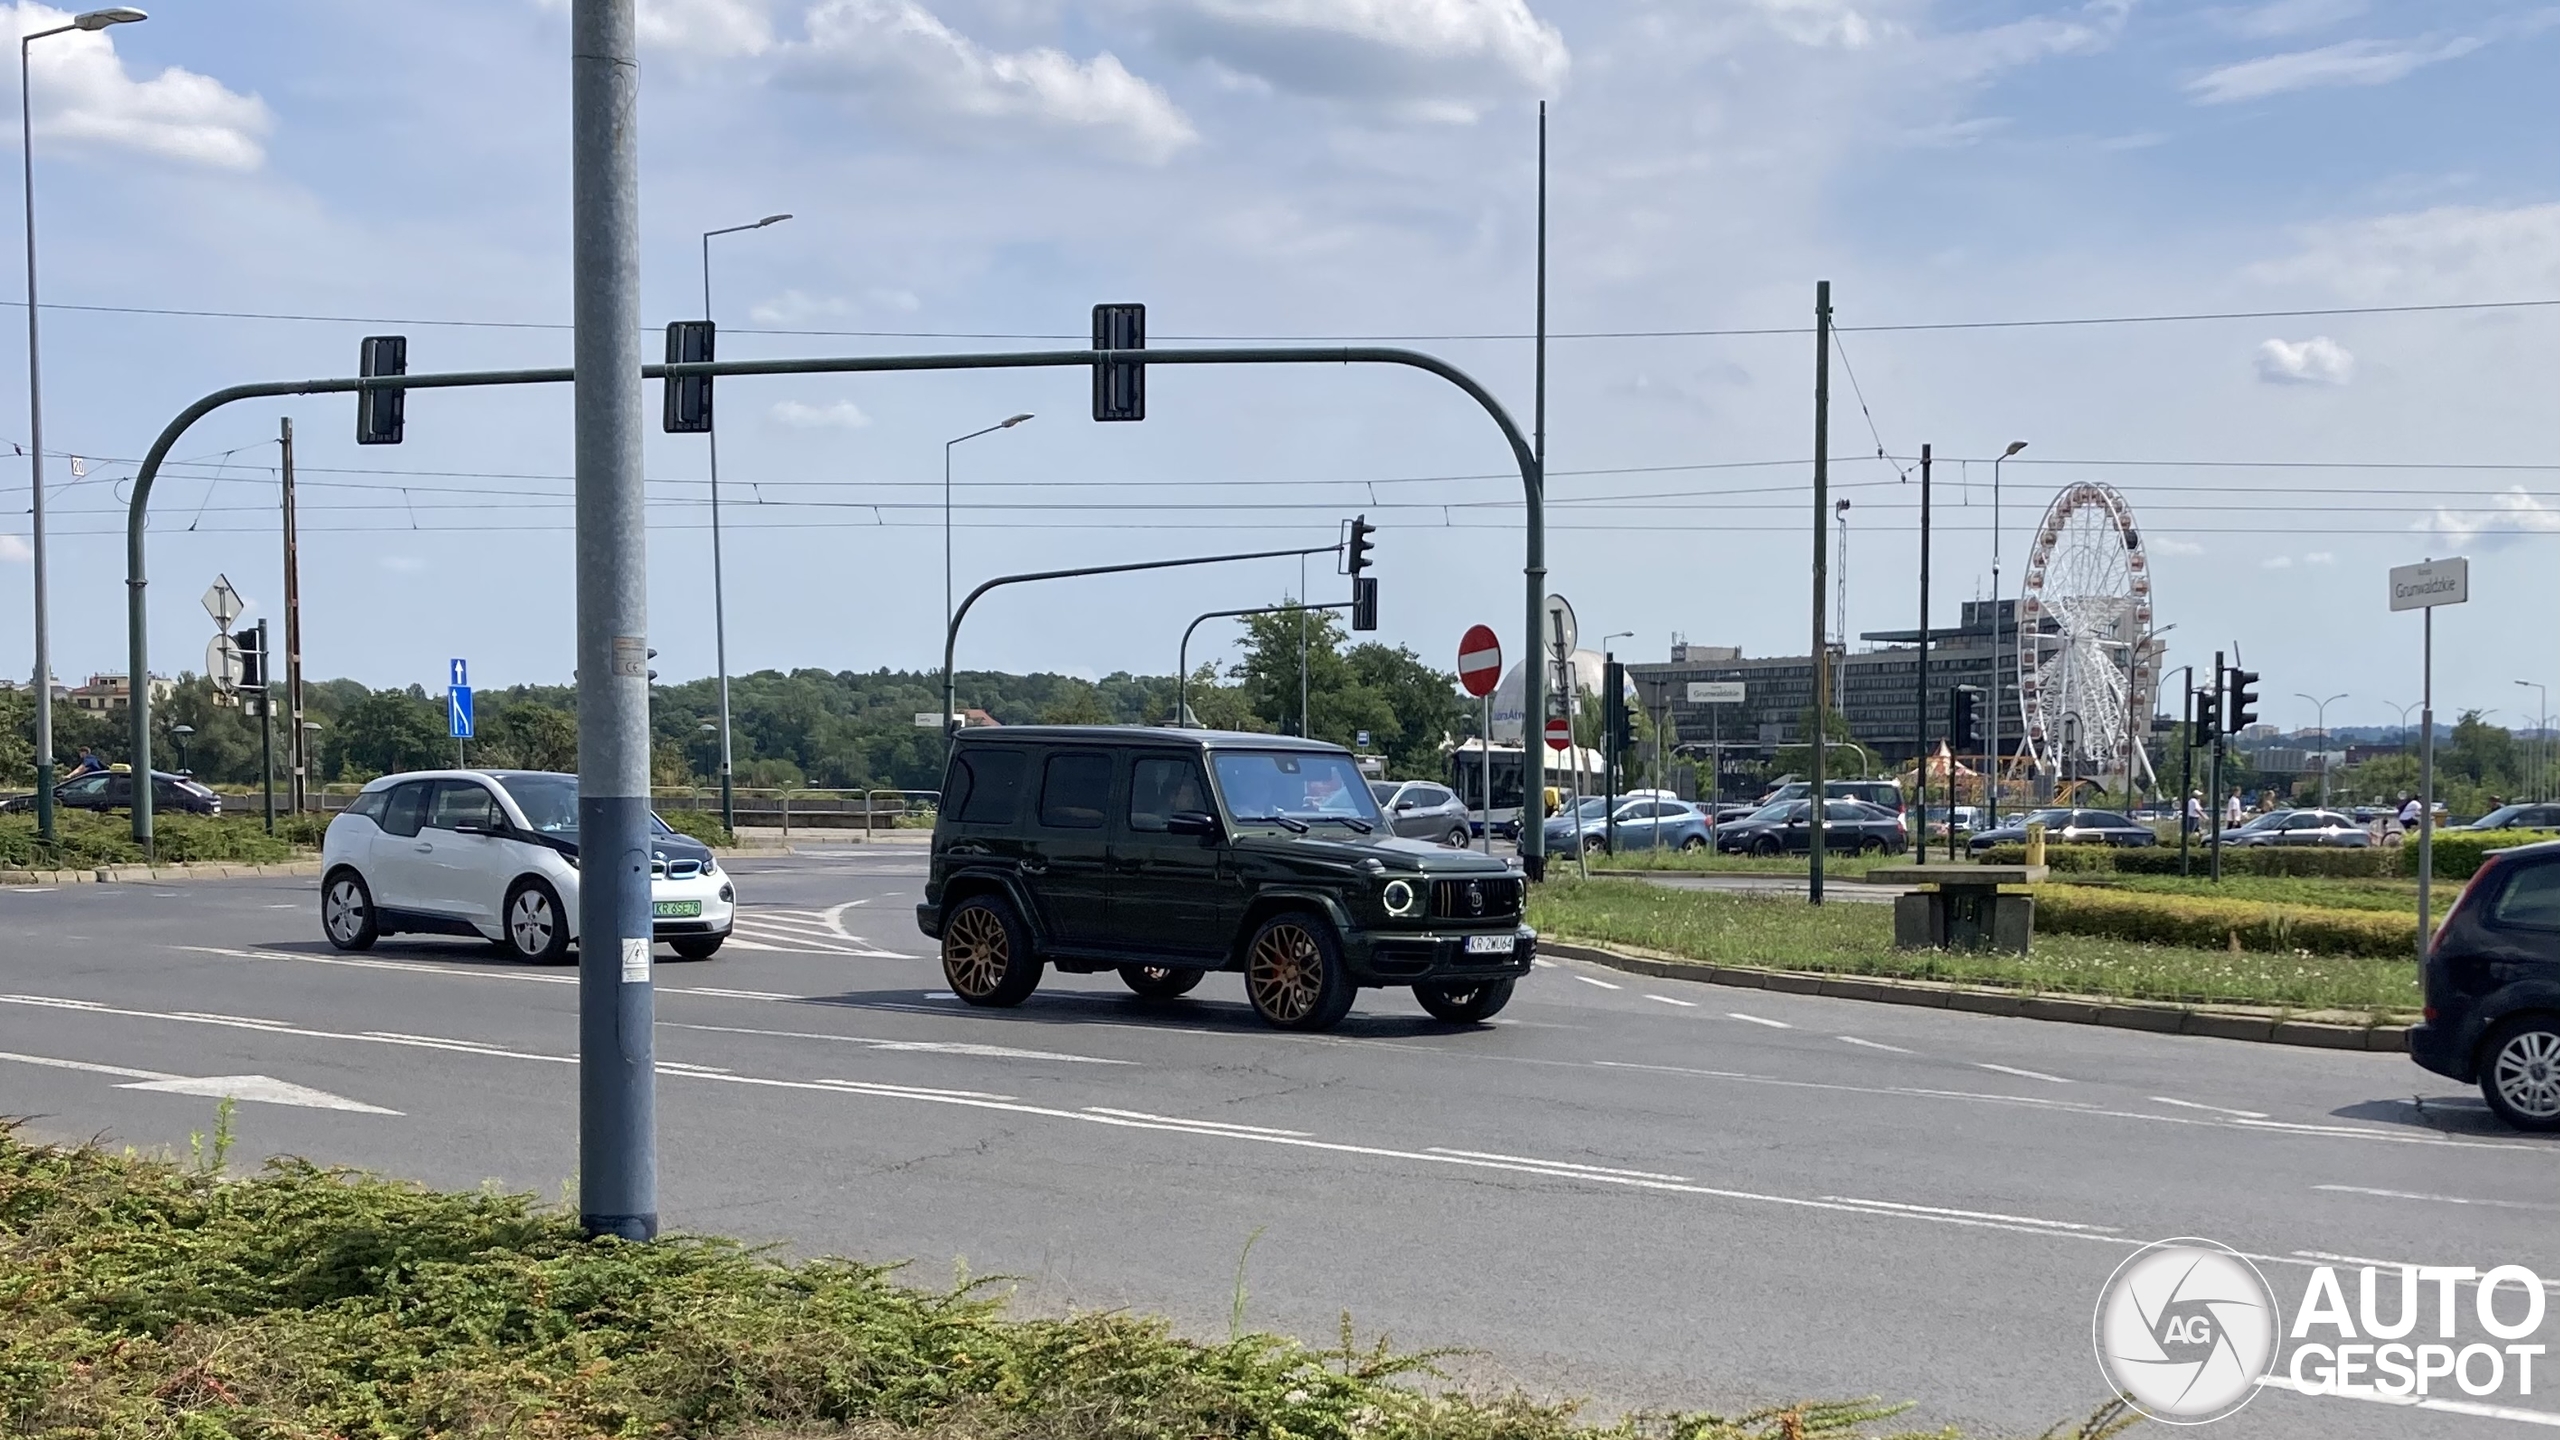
(1532, 475)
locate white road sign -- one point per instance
(223, 603)
(222, 662)
(1715, 692)
(2437, 582)
(1560, 628)
(929, 720)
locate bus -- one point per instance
(1466, 776)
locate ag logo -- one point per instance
(2185, 1329)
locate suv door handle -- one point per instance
(424, 849)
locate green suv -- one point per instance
(1166, 854)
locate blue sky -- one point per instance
(1327, 168)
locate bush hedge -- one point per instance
(702, 825)
(2305, 860)
(84, 841)
(2458, 853)
(2206, 923)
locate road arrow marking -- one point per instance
(264, 1089)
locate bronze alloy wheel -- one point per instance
(976, 952)
(1293, 973)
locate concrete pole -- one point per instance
(617, 1094)
(35, 473)
(1817, 798)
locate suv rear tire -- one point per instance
(1457, 838)
(1159, 982)
(346, 912)
(1466, 1004)
(986, 953)
(1293, 973)
(2520, 1072)
(536, 927)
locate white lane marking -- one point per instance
(2217, 1109)
(2014, 1070)
(1870, 1044)
(926, 1047)
(93, 1069)
(1555, 1164)
(1542, 962)
(28, 889)
(679, 1066)
(1667, 1000)
(1603, 984)
(914, 1092)
(2295, 1127)
(259, 1089)
(2418, 1402)
(2330, 1257)
(940, 995)
(1975, 1214)
(284, 907)
(1198, 1124)
(2439, 1199)
(1758, 1020)
(715, 992)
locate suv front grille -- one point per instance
(1491, 898)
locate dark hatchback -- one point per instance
(1167, 854)
(2069, 827)
(2491, 984)
(113, 790)
(1848, 827)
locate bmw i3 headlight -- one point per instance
(1403, 898)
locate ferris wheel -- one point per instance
(2088, 662)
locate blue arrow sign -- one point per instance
(458, 708)
(461, 679)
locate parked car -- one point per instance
(1848, 827)
(1423, 810)
(2491, 987)
(1882, 793)
(113, 790)
(2518, 817)
(494, 853)
(1651, 824)
(2068, 827)
(2300, 827)
(1168, 854)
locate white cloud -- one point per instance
(2320, 557)
(836, 415)
(2159, 544)
(2276, 562)
(2517, 512)
(1443, 59)
(795, 307)
(2448, 254)
(2349, 62)
(921, 71)
(706, 29)
(14, 550)
(1819, 22)
(2290, 17)
(2316, 361)
(402, 564)
(83, 92)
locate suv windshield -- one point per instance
(1307, 788)
(550, 804)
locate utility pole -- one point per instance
(2186, 769)
(1815, 800)
(2213, 810)
(297, 748)
(1920, 695)
(1533, 790)
(617, 1090)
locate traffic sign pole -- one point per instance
(1480, 671)
(2424, 587)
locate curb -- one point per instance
(136, 874)
(2264, 1027)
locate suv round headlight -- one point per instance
(1403, 897)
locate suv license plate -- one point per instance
(692, 909)
(1491, 944)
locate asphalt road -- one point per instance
(1646, 1192)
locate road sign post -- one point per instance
(1479, 671)
(2423, 587)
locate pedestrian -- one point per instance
(2408, 811)
(87, 764)
(2195, 811)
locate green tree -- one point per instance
(1423, 701)
(389, 730)
(1339, 705)
(524, 733)
(1077, 703)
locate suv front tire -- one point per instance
(986, 956)
(346, 912)
(1465, 1004)
(1293, 973)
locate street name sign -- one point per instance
(2436, 582)
(1715, 692)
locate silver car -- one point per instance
(1421, 810)
(2300, 827)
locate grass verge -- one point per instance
(2399, 896)
(1857, 939)
(84, 840)
(145, 1298)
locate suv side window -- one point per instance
(1430, 797)
(459, 803)
(985, 785)
(2531, 897)
(1075, 791)
(407, 808)
(1161, 786)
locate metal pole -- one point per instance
(720, 588)
(297, 741)
(267, 726)
(1533, 700)
(1570, 692)
(35, 474)
(1920, 718)
(2213, 811)
(1991, 745)
(1485, 753)
(1306, 726)
(2427, 787)
(2186, 769)
(1182, 656)
(1818, 792)
(617, 1114)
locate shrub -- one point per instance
(702, 825)
(84, 841)
(2070, 859)
(2459, 852)
(2306, 860)
(2214, 924)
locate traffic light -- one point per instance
(1364, 602)
(2208, 718)
(688, 401)
(1616, 717)
(2244, 699)
(253, 657)
(380, 413)
(1357, 551)
(1961, 733)
(1120, 386)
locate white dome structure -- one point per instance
(1588, 668)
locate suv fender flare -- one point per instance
(1270, 902)
(967, 883)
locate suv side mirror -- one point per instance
(1192, 822)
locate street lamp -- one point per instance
(2321, 709)
(178, 736)
(719, 591)
(1609, 659)
(88, 20)
(2541, 737)
(1991, 795)
(950, 683)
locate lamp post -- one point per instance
(1991, 782)
(951, 683)
(178, 737)
(1608, 740)
(88, 20)
(2541, 737)
(719, 589)
(2320, 708)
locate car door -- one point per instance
(89, 792)
(1436, 812)
(396, 864)
(1067, 849)
(1172, 895)
(1404, 812)
(460, 864)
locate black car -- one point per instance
(2517, 817)
(1848, 827)
(1883, 794)
(2068, 827)
(2491, 984)
(1166, 854)
(113, 790)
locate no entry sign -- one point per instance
(1559, 733)
(1479, 660)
